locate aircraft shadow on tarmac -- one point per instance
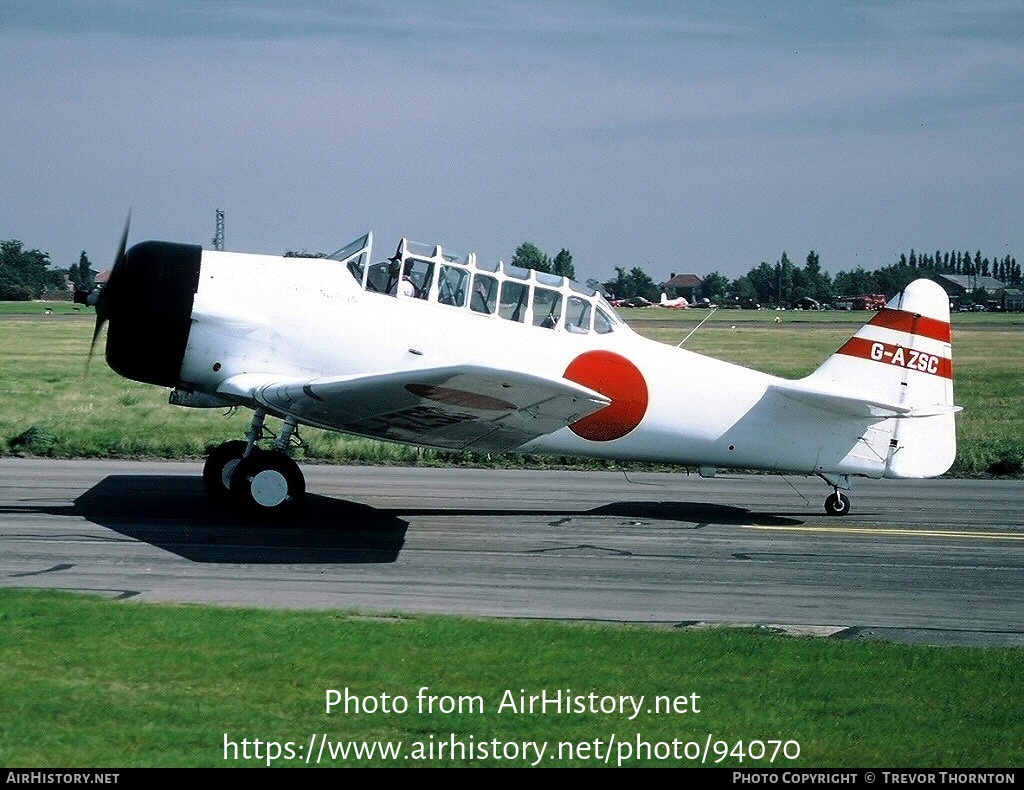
(696, 514)
(174, 513)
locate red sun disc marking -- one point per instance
(617, 378)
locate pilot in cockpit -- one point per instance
(403, 283)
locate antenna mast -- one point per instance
(218, 234)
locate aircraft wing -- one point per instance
(458, 407)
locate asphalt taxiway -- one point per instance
(939, 561)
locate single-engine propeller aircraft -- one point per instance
(438, 349)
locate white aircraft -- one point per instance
(443, 350)
(679, 302)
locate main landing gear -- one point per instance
(266, 482)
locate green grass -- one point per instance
(39, 308)
(89, 682)
(48, 408)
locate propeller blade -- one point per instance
(95, 336)
(105, 299)
(107, 295)
(124, 242)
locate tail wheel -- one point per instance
(220, 465)
(268, 483)
(837, 504)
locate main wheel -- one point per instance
(220, 465)
(837, 504)
(268, 483)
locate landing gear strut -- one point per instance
(265, 482)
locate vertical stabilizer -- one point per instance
(903, 356)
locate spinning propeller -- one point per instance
(103, 298)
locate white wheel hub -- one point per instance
(269, 488)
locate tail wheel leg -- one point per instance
(837, 504)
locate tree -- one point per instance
(24, 274)
(744, 290)
(763, 281)
(784, 281)
(636, 282)
(617, 287)
(529, 256)
(641, 284)
(563, 264)
(80, 274)
(815, 283)
(714, 286)
(855, 282)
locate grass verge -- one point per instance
(89, 682)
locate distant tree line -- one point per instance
(27, 274)
(890, 279)
(784, 282)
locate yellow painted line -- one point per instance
(929, 533)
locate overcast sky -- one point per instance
(680, 137)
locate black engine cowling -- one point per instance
(148, 303)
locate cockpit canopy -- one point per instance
(462, 282)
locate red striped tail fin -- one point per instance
(900, 365)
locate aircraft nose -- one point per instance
(150, 309)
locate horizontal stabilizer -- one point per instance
(856, 406)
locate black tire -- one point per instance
(269, 484)
(220, 465)
(837, 504)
